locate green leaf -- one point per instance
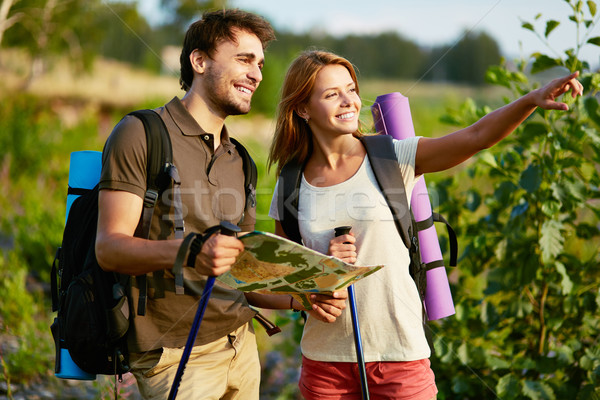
(519, 209)
(497, 362)
(566, 283)
(586, 231)
(538, 390)
(531, 178)
(559, 192)
(504, 191)
(592, 7)
(500, 250)
(550, 26)
(543, 62)
(593, 135)
(565, 354)
(473, 200)
(551, 208)
(489, 315)
(507, 387)
(527, 25)
(463, 353)
(586, 362)
(551, 241)
(488, 158)
(460, 384)
(594, 40)
(576, 189)
(534, 129)
(589, 392)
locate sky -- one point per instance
(431, 22)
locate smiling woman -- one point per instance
(318, 129)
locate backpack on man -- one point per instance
(92, 305)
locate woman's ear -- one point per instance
(302, 113)
(198, 61)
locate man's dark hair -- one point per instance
(214, 27)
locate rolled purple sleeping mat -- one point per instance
(391, 114)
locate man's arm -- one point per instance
(118, 250)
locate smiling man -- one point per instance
(221, 63)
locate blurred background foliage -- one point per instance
(527, 211)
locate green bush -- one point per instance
(527, 292)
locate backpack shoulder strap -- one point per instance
(159, 150)
(250, 175)
(383, 159)
(160, 172)
(288, 196)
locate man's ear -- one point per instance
(198, 61)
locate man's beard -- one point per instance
(221, 97)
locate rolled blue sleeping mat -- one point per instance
(84, 173)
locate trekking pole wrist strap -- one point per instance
(179, 259)
(195, 249)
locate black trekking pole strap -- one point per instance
(178, 266)
(269, 326)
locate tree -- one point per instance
(7, 21)
(54, 27)
(527, 292)
(467, 60)
(182, 12)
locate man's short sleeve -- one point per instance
(124, 158)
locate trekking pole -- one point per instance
(339, 231)
(228, 229)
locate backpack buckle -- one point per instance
(150, 198)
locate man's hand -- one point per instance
(327, 308)
(218, 254)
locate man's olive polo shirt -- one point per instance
(212, 189)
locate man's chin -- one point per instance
(239, 109)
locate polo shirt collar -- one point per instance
(189, 126)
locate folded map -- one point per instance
(271, 264)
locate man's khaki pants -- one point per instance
(227, 368)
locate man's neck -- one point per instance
(204, 116)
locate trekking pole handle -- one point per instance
(342, 230)
(229, 229)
